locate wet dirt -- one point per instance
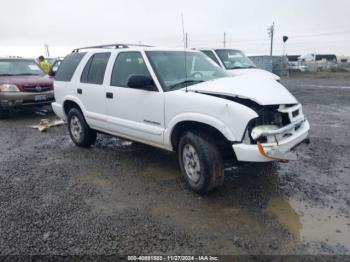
(120, 197)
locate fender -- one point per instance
(200, 118)
(75, 100)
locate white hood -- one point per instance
(262, 90)
(253, 71)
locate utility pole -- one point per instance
(186, 40)
(224, 39)
(271, 30)
(47, 50)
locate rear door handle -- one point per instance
(109, 95)
(79, 91)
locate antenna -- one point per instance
(184, 37)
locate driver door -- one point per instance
(134, 113)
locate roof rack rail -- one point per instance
(115, 46)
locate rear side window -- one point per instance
(211, 55)
(69, 65)
(95, 68)
(127, 64)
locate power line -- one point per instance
(321, 34)
(240, 40)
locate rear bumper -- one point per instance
(9, 100)
(251, 153)
(58, 109)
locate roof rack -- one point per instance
(115, 46)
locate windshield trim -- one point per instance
(161, 82)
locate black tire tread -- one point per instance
(90, 135)
(212, 160)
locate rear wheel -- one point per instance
(200, 162)
(3, 113)
(81, 134)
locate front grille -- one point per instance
(36, 89)
(269, 115)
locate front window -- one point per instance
(126, 65)
(14, 67)
(178, 69)
(234, 59)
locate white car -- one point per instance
(236, 62)
(178, 100)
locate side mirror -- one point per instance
(143, 82)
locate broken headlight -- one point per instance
(260, 130)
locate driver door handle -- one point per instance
(109, 95)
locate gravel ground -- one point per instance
(125, 198)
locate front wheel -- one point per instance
(81, 134)
(200, 162)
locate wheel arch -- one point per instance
(71, 102)
(223, 142)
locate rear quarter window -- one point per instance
(68, 66)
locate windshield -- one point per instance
(14, 67)
(174, 74)
(234, 59)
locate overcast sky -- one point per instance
(313, 25)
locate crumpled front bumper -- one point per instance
(280, 150)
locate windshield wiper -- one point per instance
(237, 67)
(6, 74)
(186, 83)
(242, 67)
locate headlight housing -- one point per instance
(258, 130)
(9, 88)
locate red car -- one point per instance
(23, 83)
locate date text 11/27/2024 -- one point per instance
(173, 258)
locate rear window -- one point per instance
(95, 68)
(69, 65)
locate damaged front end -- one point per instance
(274, 134)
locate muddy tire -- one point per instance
(201, 162)
(4, 113)
(81, 134)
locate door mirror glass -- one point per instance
(143, 82)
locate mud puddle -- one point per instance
(161, 173)
(311, 223)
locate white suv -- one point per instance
(178, 100)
